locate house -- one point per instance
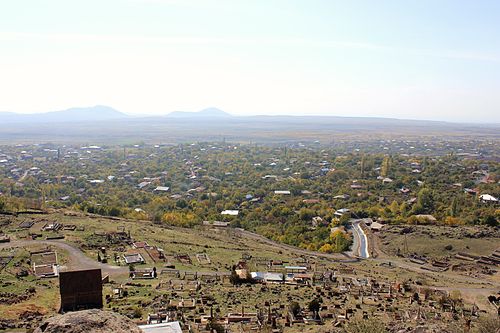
(218, 224)
(405, 190)
(310, 201)
(425, 218)
(387, 180)
(267, 277)
(375, 226)
(318, 221)
(487, 198)
(270, 277)
(342, 196)
(230, 212)
(341, 212)
(161, 189)
(281, 192)
(143, 185)
(470, 191)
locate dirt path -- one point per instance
(77, 259)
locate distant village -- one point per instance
(276, 238)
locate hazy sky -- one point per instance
(422, 59)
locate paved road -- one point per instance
(360, 240)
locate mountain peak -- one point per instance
(213, 112)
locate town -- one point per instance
(225, 237)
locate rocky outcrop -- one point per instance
(88, 321)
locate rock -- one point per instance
(88, 321)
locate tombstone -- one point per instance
(80, 289)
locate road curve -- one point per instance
(361, 241)
(78, 259)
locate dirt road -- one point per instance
(77, 259)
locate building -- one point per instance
(282, 192)
(230, 212)
(487, 198)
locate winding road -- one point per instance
(78, 259)
(360, 240)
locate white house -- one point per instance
(230, 212)
(487, 198)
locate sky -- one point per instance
(412, 59)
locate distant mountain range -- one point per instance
(205, 113)
(105, 124)
(94, 113)
(101, 113)
(212, 115)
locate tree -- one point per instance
(363, 165)
(314, 306)
(340, 240)
(394, 208)
(306, 214)
(449, 220)
(386, 166)
(403, 209)
(295, 308)
(327, 248)
(490, 220)
(454, 207)
(425, 202)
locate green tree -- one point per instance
(454, 207)
(394, 208)
(425, 202)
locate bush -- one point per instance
(365, 326)
(137, 312)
